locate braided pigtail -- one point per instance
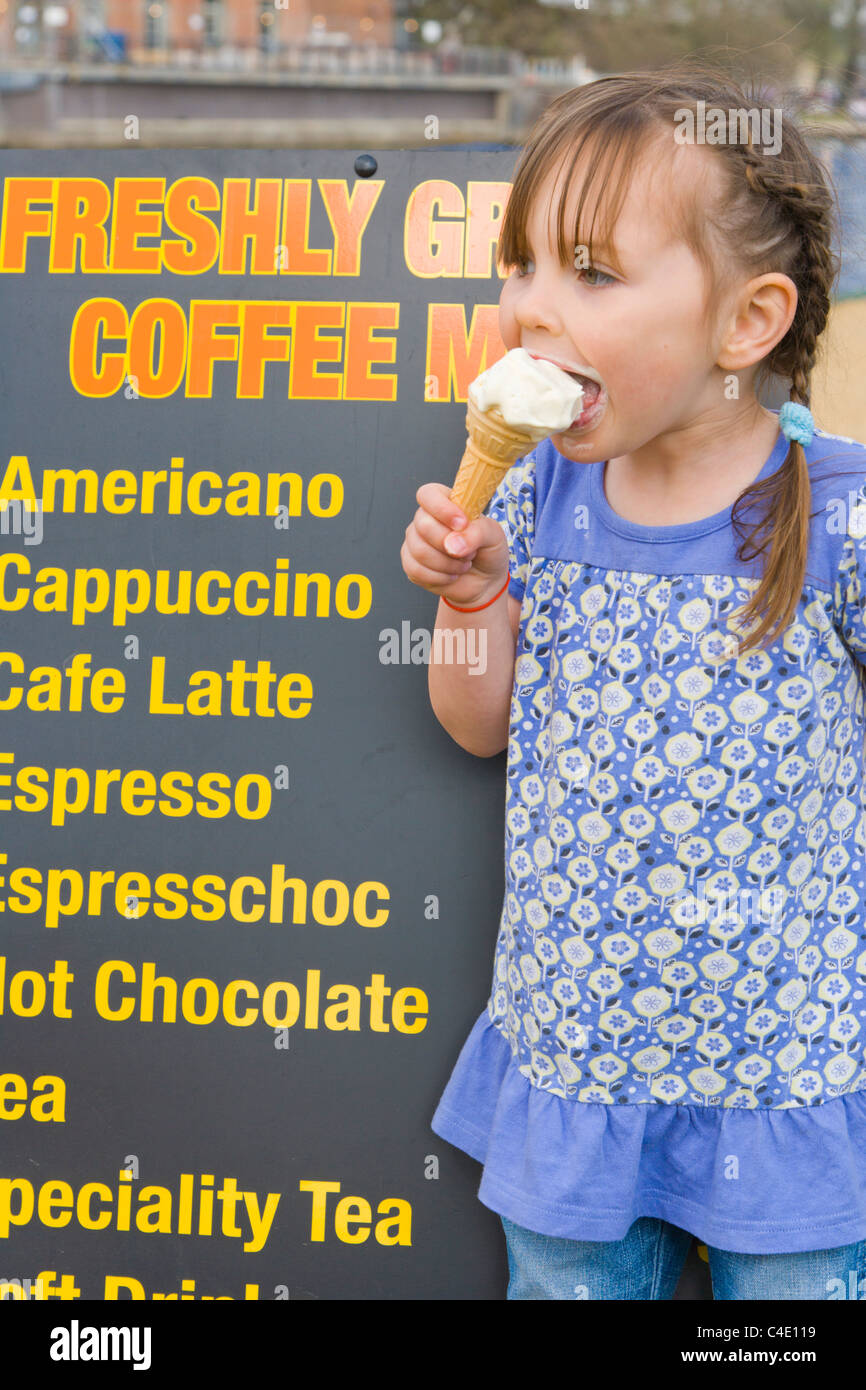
(781, 534)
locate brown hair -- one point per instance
(768, 212)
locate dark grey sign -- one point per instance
(250, 887)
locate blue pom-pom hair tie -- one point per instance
(796, 422)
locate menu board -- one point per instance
(249, 887)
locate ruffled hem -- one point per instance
(754, 1181)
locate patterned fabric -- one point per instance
(683, 917)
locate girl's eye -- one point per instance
(525, 266)
(592, 270)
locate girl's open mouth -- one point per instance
(594, 399)
(594, 402)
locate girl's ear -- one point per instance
(763, 312)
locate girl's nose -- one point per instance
(537, 304)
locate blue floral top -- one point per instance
(676, 1021)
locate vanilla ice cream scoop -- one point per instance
(511, 407)
(531, 394)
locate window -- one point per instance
(155, 23)
(214, 22)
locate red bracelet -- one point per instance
(481, 605)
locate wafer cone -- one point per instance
(492, 447)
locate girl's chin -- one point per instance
(579, 444)
(579, 440)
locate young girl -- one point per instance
(674, 1039)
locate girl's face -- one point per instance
(638, 330)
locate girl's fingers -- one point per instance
(425, 575)
(475, 534)
(432, 557)
(434, 498)
(434, 532)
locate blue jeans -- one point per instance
(647, 1262)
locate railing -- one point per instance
(337, 59)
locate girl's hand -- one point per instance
(468, 576)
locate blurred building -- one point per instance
(136, 30)
(263, 73)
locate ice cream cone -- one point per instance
(492, 447)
